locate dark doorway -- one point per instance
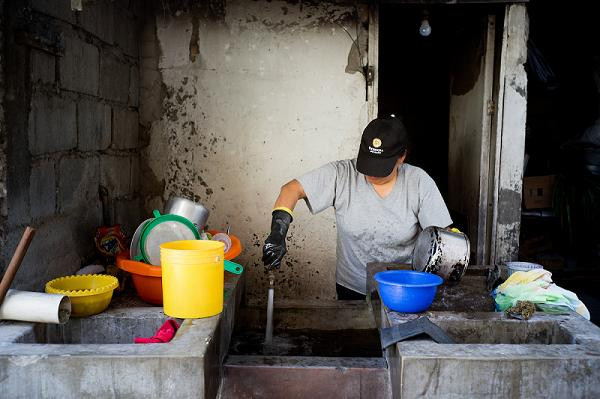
(415, 77)
(414, 84)
(563, 143)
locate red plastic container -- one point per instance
(147, 279)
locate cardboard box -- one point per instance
(537, 191)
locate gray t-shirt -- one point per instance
(371, 228)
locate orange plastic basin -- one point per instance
(147, 279)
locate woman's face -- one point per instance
(378, 181)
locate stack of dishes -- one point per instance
(143, 260)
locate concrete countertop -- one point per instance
(192, 337)
(189, 365)
(467, 295)
(494, 357)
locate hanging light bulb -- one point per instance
(425, 28)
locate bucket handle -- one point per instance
(233, 267)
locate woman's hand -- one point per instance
(274, 248)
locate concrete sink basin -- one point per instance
(548, 356)
(328, 349)
(95, 357)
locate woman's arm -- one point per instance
(290, 194)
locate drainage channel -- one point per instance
(328, 351)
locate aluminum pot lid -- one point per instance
(134, 247)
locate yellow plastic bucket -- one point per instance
(192, 278)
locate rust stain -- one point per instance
(194, 46)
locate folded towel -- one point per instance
(165, 333)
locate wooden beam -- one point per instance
(512, 142)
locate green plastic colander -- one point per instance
(164, 228)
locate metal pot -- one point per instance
(190, 210)
(442, 252)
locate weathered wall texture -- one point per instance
(72, 124)
(505, 247)
(253, 94)
(3, 160)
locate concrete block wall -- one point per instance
(72, 125)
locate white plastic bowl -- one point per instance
(522, 267)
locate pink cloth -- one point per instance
(165, 333)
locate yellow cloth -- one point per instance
(527, 277)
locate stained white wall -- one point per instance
(264, 94)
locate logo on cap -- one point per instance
(376, 143)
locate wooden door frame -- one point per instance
(509, 141)
(469, 135)
(483, 239)
(373, 61)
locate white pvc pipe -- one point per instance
(35, 307)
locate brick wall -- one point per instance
(71, 108)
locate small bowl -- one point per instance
(522, 267)
(89, 293)
(407, 291)
(236, 245)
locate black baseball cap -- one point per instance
(382, 143)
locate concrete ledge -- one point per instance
(423, 368)
(548, 356)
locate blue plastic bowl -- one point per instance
(407, 291)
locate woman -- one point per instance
(381, 204)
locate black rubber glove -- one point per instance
(274, 247)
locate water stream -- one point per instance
(271, 297)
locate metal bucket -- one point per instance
(442, 252)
